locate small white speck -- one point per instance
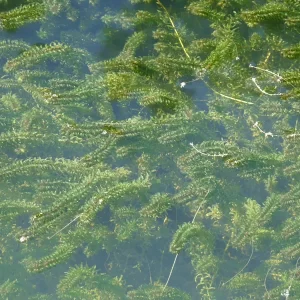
(23, 239)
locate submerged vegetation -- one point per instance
(151, 151)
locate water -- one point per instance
(141, 156)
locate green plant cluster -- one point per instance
(175, 142)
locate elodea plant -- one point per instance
(150, 150)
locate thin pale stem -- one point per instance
(175, 30)
(175, 259)
(64, 227)
(242, 268)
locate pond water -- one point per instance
(149, 149)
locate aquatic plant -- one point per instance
(182, 143)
